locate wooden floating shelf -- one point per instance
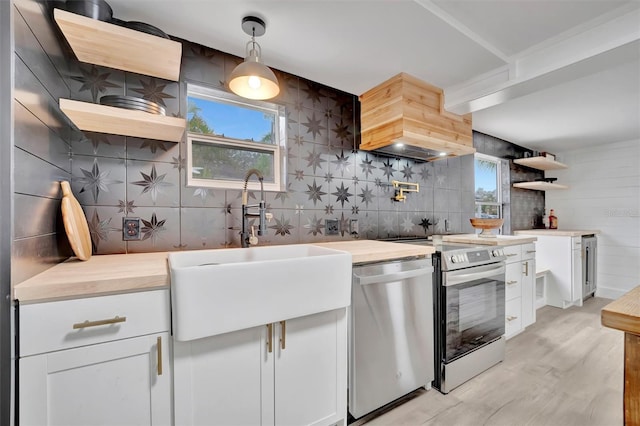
(120, 121)
(102, 43)
(540, 163)
(539, 186)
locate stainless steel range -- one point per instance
(469, 309)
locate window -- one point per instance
(488, 190)
(228, 135)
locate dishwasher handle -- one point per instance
(390, 277)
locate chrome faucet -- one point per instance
(247, 237)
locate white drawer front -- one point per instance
(49, 326)
(513, 317)
(513, 281)
(513, 253)
(528, 251)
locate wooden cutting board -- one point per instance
(75, 223)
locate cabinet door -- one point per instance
(116, 383)
(310, 369)
(225, 379)
(513, 277)
(513, 317)
(528, 292)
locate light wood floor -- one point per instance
(566, 369)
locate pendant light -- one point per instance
(252, 79)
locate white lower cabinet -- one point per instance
(290, 372)
(100, 360)
(116, 383)
(519, 288)
(562, 256)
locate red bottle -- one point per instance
(553, 220)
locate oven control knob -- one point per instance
(454, 259)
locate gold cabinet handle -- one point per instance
(526, 269)
(88, 323)
(159, 350)
(283, 334)
(269, 338)
(531, 251)
(511, 318)
(512, 282)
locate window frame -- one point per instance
(498, 203)
(278, 148)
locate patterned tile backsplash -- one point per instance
(329, 181)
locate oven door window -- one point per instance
(474, 315)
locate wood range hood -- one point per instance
(405, 110)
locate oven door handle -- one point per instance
(487, 272)
(394, 276)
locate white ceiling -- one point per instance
(550, 75)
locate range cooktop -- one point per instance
(458, 255)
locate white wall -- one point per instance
(604, 194)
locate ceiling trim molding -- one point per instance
(453, 22)
(529, 69)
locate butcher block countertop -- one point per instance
(499, 240)
(623, 313)
(101, 274)
(119, 273)
(557, 232)
(374, 251)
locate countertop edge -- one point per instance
(363, 251)
(623, 313)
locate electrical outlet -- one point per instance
(131, 229)
(331, 226)
(354, 228)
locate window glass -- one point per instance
(228, 135)
(487, 186)
(228, 162)
(230, 121)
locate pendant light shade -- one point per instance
(252, 79)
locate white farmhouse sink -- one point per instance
(218, 291)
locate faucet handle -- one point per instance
(253, 240)
(268, 216)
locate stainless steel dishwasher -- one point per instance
(390, 332)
